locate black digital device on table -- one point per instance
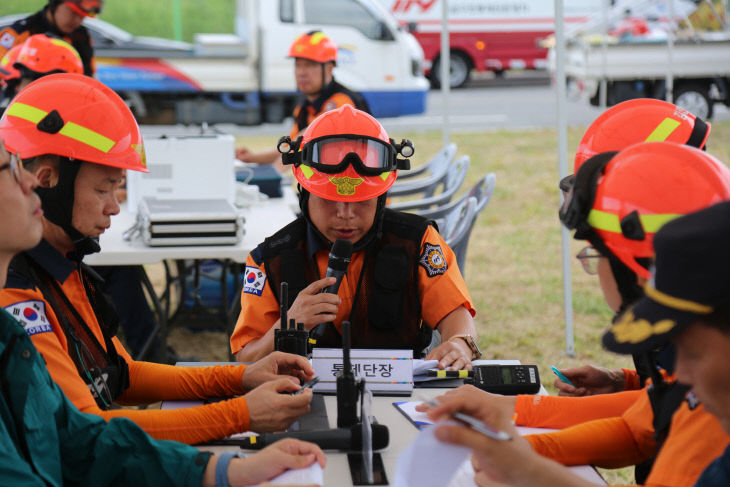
(506, 379)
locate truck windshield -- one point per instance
(348, 12)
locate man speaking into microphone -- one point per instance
(402, 280)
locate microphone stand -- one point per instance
(347, 388)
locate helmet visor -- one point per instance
(90, 8)
(332, 154)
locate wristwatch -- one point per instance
(475, 352)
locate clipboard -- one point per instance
(407, 409)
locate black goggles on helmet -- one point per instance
(331, 154)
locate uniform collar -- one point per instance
(314, 242)
(52, 261)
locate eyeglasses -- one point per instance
(588, 258)
(16, 166)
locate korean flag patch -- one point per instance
(7, 40)
(253, 281)
(432, 259)
(32, 315)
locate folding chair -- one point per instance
(436, 169)
(457, 230)
(432, 166)
(455, 175)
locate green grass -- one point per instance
(152, 18)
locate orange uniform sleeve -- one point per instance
(609, 443)
(259, 307)
(561, 412)
(633, 382)
(603, 442)
(188, 425)
(442, 290)
(9, 37)
(150, 382)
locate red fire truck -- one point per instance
(485, 35)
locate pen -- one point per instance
(475, 424)
(561, 376)
(455, 374)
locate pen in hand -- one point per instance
(474, 423)
(562, 376)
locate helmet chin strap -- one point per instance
(58, 203)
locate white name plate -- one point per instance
(385, 371)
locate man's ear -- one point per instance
(47, 175)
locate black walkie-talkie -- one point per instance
(506, 379)
(294, 338)
(347, 390)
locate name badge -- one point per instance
(385, 371)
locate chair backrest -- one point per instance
(452, 182)
(446, 153)
(438, 168)
(481, 193)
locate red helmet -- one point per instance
(640, 120)
(345, 155)
(42, 55)
(624, 198)
(7, 64)
(73, 116)
(314, 46)
(85, 8)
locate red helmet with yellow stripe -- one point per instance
(73, 116)
(314, 46)
(41, 55)
(640, 120)
(345, 155)
(7, 64)
(620, 200)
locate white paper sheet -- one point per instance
(302, 476)
(416, 466)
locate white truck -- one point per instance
(638, 66)
(246, 77)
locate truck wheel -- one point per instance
(459, 71)
(695, 99)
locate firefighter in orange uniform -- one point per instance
(402, 280)
(315, 56)
(78, 137)
(62, 18)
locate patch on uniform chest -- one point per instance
(7, 40)
(32, 315)
(432, 259)
(253, 281)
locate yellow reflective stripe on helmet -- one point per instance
(384, 175)
(663, 130)
(69, 47)
(676, 303)
(602, 220)
(316, 38)
(306, 170)
(87, 136)
(26, 112)
(70, 129)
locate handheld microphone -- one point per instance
(337, 263)
(333, 439)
